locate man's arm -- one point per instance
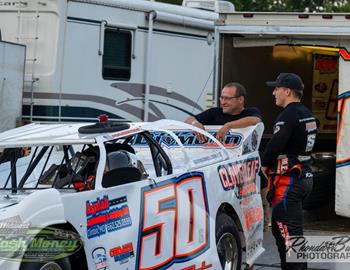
(194, 122)
(243, 122)
(240, 123)
(191, 120)
(281, 135)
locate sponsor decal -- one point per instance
(284, 232)
(326, 63)
(207, 158)
(311, 126)
(254, 245)
(276, 129)
(174, 223)
(24, 243)
(252, 216)
(123, 253)
(100, 258)
(241, 174)
(203, 266)
(325, 91)
(321, 87)
(277, 126)
(13, 225)
(188, 139)
(104, 215)
(246, 201)
(125, 132)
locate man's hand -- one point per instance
(194, 122)
(220, 135)
(199, 136)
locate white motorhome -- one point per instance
(132, 59)
(256, 47)
(12, 58)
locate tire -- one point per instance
(50, 263)
(228, 243)
(62, 264)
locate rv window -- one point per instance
(117, 55)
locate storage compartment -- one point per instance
(318, 66)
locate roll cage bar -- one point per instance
(160, 160)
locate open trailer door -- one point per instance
(342, 198)
(256, 47)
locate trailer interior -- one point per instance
(253, 65)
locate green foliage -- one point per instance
(286, 5)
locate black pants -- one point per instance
(287, 214)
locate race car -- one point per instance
(113, 195)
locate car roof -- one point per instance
(36, 134)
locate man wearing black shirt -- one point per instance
(231, 113)
(286, 162)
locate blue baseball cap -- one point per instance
(287, 80)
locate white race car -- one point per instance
(137, 195)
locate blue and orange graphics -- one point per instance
(174, 223)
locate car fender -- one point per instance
(42, 208)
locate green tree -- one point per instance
(286, 5)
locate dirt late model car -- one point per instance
(134, 195)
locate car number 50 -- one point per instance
(174, 222)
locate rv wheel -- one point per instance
(228, 243)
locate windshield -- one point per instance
(46, 166)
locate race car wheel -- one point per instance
(62, 264)
(228, 243)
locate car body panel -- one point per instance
(162, 222)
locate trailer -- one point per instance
(256, 47)
(12, 58)
(131, 59)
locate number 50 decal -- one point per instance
(174, 222)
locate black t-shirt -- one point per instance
(215, 116)
(294, 133)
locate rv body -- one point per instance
(256, 47)
(131, 59)
(12, 60)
